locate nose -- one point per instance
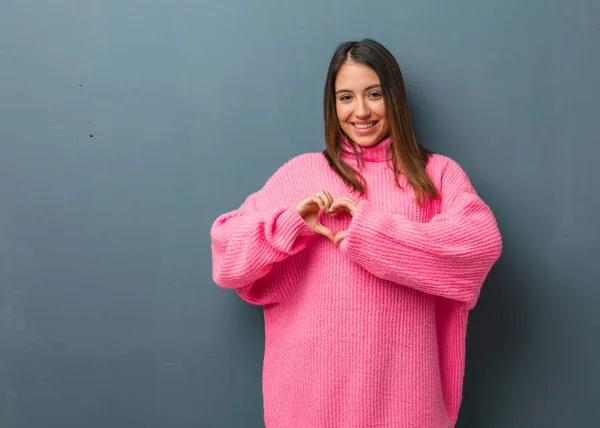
(362, 110)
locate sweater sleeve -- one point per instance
(247, 242)
(449, 256)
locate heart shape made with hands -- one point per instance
(342, 204)
(311, 207)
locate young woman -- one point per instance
(367, 258)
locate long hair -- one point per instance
(408, 156)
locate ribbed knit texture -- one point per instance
(370, 333)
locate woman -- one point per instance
(367, 258)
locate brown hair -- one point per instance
(408, 156)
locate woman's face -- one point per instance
(359, 104)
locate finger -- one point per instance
(352, 206)
(305, 205)
(349, 200)
(325, 231)
(342, 200)
(316, 200)
(346, 204)
(334, 208)
(329, 200)
(353, 203)
(323, 197)
(339, 204)
(335, 204)
(339, 237)
(328, 197)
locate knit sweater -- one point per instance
(371, 332)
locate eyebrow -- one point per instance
(376, 85)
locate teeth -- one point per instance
(364, 125)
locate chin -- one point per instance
(366, 141)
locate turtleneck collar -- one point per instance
(375, 153)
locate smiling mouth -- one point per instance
(364, 125)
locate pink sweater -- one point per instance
(370, 333)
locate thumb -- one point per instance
(325, 231)
(339, 237)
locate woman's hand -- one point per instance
(309, 209)
(342, 204)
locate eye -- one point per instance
(375, 94)
(344, 98)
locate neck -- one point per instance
(378, 152)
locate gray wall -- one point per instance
(127, 126)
